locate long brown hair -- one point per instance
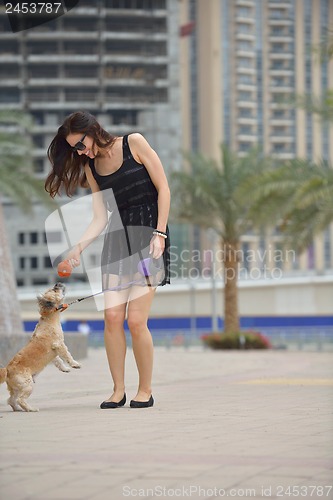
(67, 172)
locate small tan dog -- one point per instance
(46, 345)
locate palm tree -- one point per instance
(18, 184)
(208, 196)
(301, 191)
(299, 194)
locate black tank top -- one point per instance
(131, 183)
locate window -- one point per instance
(74, 47)
(22, 262)
(38, 141)
(21, 238)
(80, 71)
(244, 45)
(38, 117)
(39, 166)
(33, 262)
(9, 71)
(246, 256)
(47, 262)
(245, 62)
(244, 146)
(243, 12)
(42, 95)
(80, 95)
(33, 238)
(245, 96)
(42, 48)
(8, 95)
(43, 71)
(40, 281)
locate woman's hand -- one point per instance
(73, 256)
(157, 245)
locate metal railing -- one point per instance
(307, 338)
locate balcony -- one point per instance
(139, 13)
(44, 129)
(151, 36)
(281, 55)
(246, 86)
(130, 82)
(247, 104)
(62, 34)
(281, 71)
(132, 58)
(106, 106)
(63, 81)
(239, 18)
(10, 58)
(245, 36)
(281, 88)
(246, 70)
(274, 4)
(244, 3)
(281, 121)
(82, 11)
(247, 137)
(63, 58)
(280, 38)
(283, 155)
(246, 53)
(279, 105)
(275, 21)
(246, 120)
(280, 138)
(60, 104)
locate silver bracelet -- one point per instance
(159, 233)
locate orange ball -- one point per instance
(64, 269)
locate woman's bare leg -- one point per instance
(142, 342)
(115, 341)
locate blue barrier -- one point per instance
(204, 323)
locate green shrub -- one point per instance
(239, 340)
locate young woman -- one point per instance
(84, 154)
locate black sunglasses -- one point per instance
(80, 146)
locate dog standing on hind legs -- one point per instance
(46, 344)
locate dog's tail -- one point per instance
(3, 375)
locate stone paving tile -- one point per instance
(243, 434)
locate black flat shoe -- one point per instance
(142, 404)
(112, 404)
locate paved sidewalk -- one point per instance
(237, 424)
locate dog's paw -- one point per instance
(66, 370)
(76, 365)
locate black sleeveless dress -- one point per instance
(131, 197)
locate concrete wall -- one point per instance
(10, 345)
(307, 296)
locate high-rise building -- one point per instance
(239, 60)
(118, 59)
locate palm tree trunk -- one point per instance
(231, 316)
(11, 328)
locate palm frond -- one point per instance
(17, 180)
